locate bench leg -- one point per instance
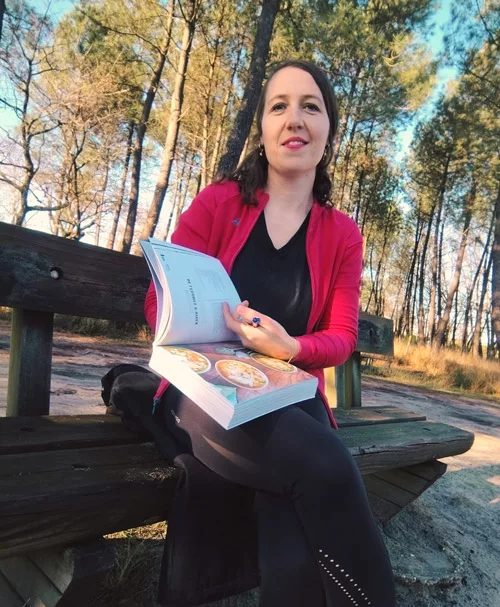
(392, 490)
(30, 363)
(55, 578)
(343, 384)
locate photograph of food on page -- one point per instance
(242, 373)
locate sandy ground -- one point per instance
(445, 548)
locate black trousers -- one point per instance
(319, 544)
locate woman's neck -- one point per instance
(290, 195)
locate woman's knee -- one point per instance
(325, 467)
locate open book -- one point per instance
(197, 353)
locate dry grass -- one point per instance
(444, 370)
(133, 580)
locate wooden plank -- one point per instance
(46, 273)
(392, 490)
(388, 446)
(348, 383)
(368, 416)
(58, 432)
(8, 596)
(75, 462)
(55, 498)
(382, 508)
(354, 368)
(27, 434)
(30, 363)
(59, 508)
(425, 470)
(77, 570)
(29, 582)
(341, 387)
(411, 482)
(375, 335)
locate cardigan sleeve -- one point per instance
(193, 231)
(337, 330)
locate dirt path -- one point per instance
(445, 548)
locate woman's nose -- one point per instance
(294, 117)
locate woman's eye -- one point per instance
(312, 106)
(277, 107)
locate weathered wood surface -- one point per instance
(368, 416)
(63, 578)
(57, 432)
(376, 335)
(8, 596)
(96, 282)
(30, 363)
(388, 446)
(58, 497)
(29, 581)
(50, 274)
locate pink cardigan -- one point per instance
(218, 223)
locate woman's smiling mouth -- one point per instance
(295, 143)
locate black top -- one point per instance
(276, 282)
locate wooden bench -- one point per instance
(68, 480)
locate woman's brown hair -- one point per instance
(251, 174)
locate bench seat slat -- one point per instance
(71, 495)
(46, 433)
(74, 461)
(411, 479)
(388, 446)
(26, 434)
(369, 416)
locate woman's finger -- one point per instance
(231, 322)
(247, 314)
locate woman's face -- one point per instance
(295, 123)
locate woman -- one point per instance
(297, 263)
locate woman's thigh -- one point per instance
(265, 453)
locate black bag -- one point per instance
(211, 546)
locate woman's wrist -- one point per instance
(294, 349)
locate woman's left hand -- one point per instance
(269, 338)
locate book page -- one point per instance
(195, 285)
(236, 372)
(163, 303)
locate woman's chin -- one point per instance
(295, 170)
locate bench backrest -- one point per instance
(42, 274)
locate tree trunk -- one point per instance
(345, 167)
(121, 193)
(176, 197)
(435, 277)
(445, 319)
(141, 132)
(476, 339)
(181, 194)
(209, 104)
(98, 222)
(223, 115)
(470, 294)
(495, 282)
(243, 122)
(404, 319)
(345, 118)
(421, 279)
(173, 124)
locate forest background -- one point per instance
(115, 113)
